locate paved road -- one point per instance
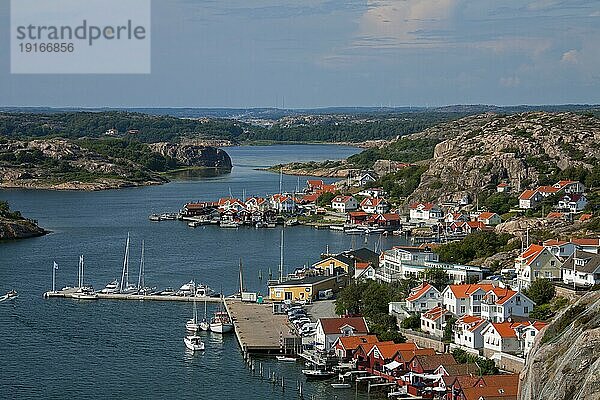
(321, 309)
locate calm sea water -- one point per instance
(61, 348)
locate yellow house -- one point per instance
(337, 262)
(307, 288)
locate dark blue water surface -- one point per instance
(62, 348)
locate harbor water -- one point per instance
(60, 348)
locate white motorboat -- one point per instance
(194, 343)
(85, 294)
(154, 217)
(317, 373)
(341, 385)
(286, 359)
(187, 289)
(9, 296)
(221, 322)
(204, 325)
(225, 224)
(260, 224)
(112, 287)
(204, 291)
(375, 231)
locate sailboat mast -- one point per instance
(123, 277)
(141, 282)
(241, 278)
(281, 259)
(281, 180)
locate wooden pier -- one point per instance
(258, 330)
(70, 294)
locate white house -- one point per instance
(529, 199)
(344, 204)
(464, 299)
(423, 297)
(467, 331)
(500, 304)
(582, 269)
(510, 337)
(453, 216)
(536, 262)
(434, 321)
(372, 192)
(503, 187)
(283, 203)
(374, 205)
(570, 186)
(530, 333)
(328, 330)
(425, 211)
(489, 218)
(572, 203)
(365, 178)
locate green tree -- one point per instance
(437, 277)
(486, 366)
(412, 322)
(500, 203)
(473, 246)
(449, 330)
(541, 291)
(325, 199)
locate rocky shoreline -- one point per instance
(11, 229)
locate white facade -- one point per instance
(582, 269)
(425, 211)
(423, 298)
(434, 321)
(344, 204)
(467, 332)
(499, 310)
(573, 203)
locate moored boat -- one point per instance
(194, 343)
(317, 373)
(221, 323)
(286, 358)
(110, 288)
(341, 385)
(154, 217)
(9, 296)
(192, 325)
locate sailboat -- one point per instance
(83, 292)
(125, 286)
(204, 325)
(192, 325)
(142, 288)
(221, 323)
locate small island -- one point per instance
(98, 164)
(14, 226)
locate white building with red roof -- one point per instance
(507, 337)
(374, 205)
(422, 298)
(283, 203)
(328, 330)
(530, 333)
(560, 248)
(503, 187)
(425, 212)
(529, 199)
(501, 304)
(344, 204)
(467, 331)
(570, 186)
(434, 321)
(536, 262)
(465, 299)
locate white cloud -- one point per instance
(571, 57)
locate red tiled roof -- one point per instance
(430, 363)
(407, 355)
(388, 350)
(426, 206)
(531, 253)
(352, 342)
(562, 184)
(586, 242)
(435, 313)
(486, 215)
(315, 182)
(528, 194)
(496, 392)
(472, 322)
(419, 291)
(554, 242)
(554, 215)
(502, 184)
(311, 198)
(548, 189)
(585, 217)
(341, 199)
(499, 380)
(463, 291)
(334, 325)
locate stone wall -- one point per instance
(424, 341)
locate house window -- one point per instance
(579, 261)
(526, 309)
(462, 309)
(423, 305)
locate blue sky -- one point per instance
(316, 53)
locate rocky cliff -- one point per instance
(19, 229)
(564, 363)
(478, 152)
(190, 154)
